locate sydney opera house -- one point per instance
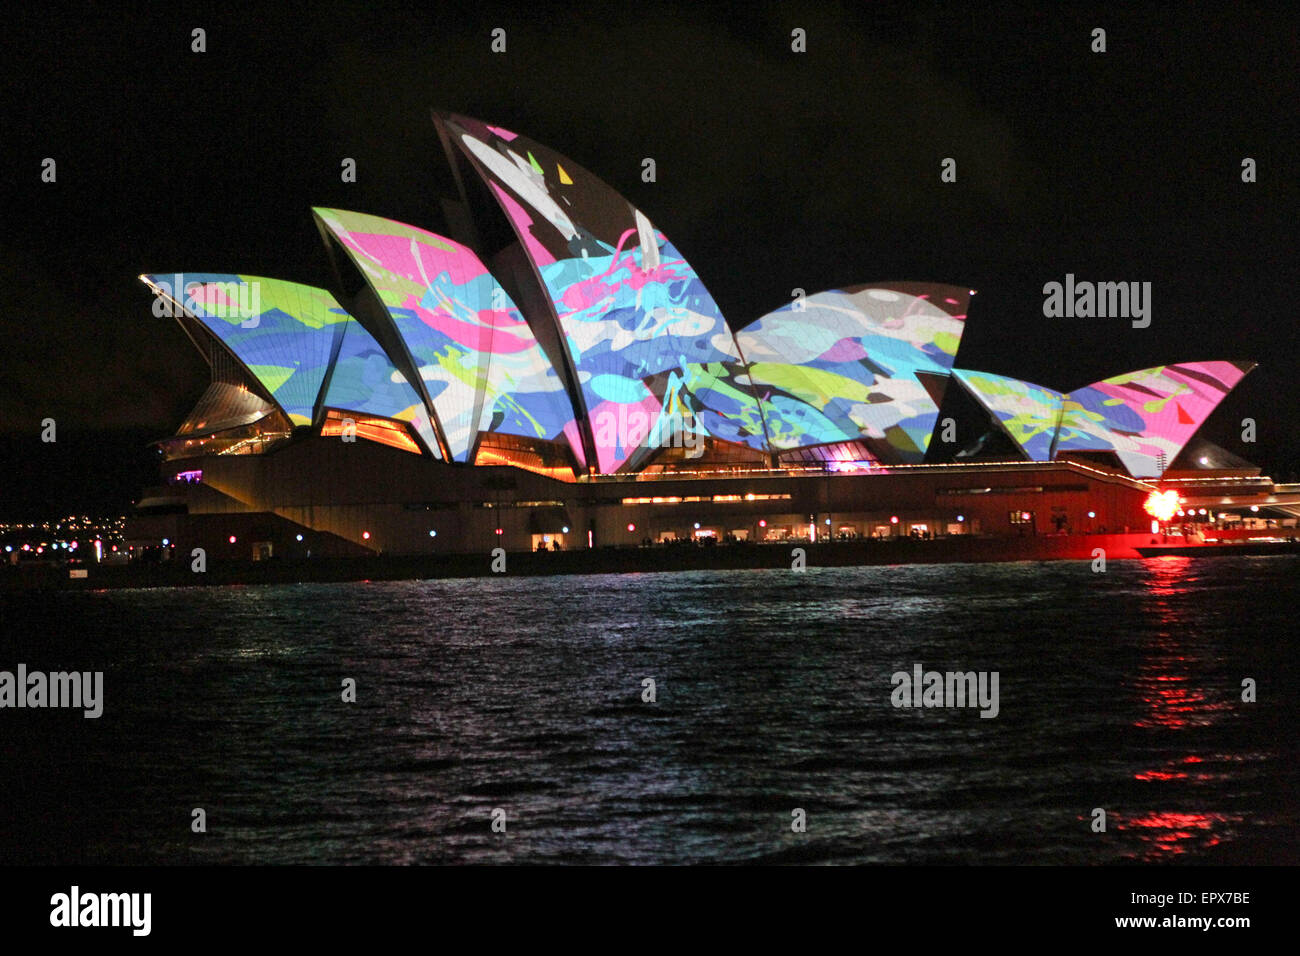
(554, 374)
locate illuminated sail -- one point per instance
(1147, 416)
(865, 363)
(1028, 413)
(649, 347)
(481, 365)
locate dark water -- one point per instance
(1119, 690)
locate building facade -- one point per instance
(554, 374)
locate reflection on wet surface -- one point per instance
(1120, 691)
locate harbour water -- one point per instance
(1119, 690)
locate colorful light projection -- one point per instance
(283, 332)
(1028, 413)
(649, 346)
(1147, 416)
(481, 364)
(851, 364)
(365, 380)
(1144, 417)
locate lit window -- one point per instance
(385, 431)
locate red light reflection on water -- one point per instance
(1171, 771)
(1174, 704)
(1174, 834)
(1218, 766)
(1159, 775)
(1164, 682)
(1167, 575)
(1171, 686)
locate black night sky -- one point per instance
(776, 170)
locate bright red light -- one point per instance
(893, 519)
(365, 535)
(1161, 505)
(232, 539)
(631, 527)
